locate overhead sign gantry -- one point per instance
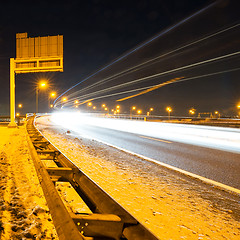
(36, 54)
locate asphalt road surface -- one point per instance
(218, 165)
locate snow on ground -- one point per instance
(23, 210)
(171, 205)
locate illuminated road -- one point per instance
(221, 166)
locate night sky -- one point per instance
(97, 32)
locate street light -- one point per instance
(192, 111)
(150, 110)
(42, 84)
(52, 94)
(133, 108)
(169, 110)
(139, 111)
(19, 105)
(217, 113)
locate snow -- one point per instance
(23, 210)
(171, 205)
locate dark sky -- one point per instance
(97, 32)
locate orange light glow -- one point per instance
(169, 109)
(53, 94)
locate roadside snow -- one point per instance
(169, 204)
(23, 210)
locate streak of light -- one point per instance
(166, 72)
(150, 89)
(143, 88)
(142, 45)
(155, 139)
(221, 138)
(144, 64)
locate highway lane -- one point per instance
(218, 165)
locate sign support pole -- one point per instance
(12, 94)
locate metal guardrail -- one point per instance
(108, 219)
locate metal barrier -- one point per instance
(108, 219)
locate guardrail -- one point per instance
(108, 219)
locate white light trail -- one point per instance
(93, 94)
(226, 139)
(150, 61)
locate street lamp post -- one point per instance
(40, 85)
(132, 109)
(169, 110)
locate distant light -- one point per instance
(64, 99)
(20, 105)
(76, 106)
(139, 111)
(118, 110)
(51, 106)
(104, 105)
(151, 109)
(105, 108)
(17, 114)
(117, 106)
(42, 84)
(89, 104)
(76, 101)
(133, 108)
(168, 109)
(216, 112)
(94, 107)
(53, 94)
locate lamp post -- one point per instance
(169, 110)
(238, 107)
(149, 112)
(51, 95)
(133, 108)
(40, 85)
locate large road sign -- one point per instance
(36, 54)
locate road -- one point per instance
(219, 165)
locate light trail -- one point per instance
(139, 89)
(155, 139)
(220, 138)
(141, 45)
(150, 89)
(143, 88)
(151, 61)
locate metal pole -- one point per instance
(12, 94)
(37, 100)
